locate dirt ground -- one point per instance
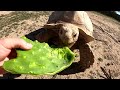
(99, 59)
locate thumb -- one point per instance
(10, 43)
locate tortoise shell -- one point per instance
(79, 19)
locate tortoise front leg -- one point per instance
(86, 55)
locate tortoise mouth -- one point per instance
(69, 44)
(60, 45)
(68, 41)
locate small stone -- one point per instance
(108, 64)
(100, 59)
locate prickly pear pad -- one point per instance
(40, 60)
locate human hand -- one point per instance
(7, 49)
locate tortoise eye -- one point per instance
(74, 35)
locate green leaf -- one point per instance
(40, 60)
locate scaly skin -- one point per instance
(40, 60)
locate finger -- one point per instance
(1, 62)
(2, 71)
(10, 43)
(4, 52)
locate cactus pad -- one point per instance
(40, 60)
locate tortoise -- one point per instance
(65, 28)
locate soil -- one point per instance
(99, 59)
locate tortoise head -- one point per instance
(68, 34)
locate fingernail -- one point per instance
(29, 45)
